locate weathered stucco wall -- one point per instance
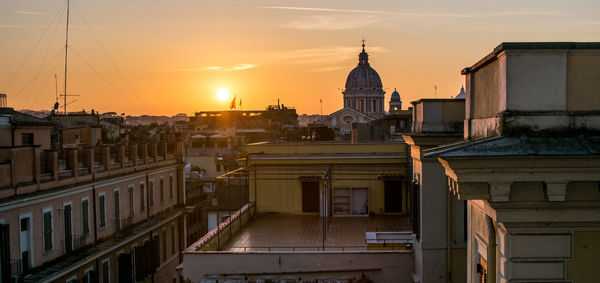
(583, 83)
(377, 266)
(536, 81)
(485, 98)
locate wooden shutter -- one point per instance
(124, 267)
(5, 253)
(47, 231)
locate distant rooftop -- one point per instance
(22, 119)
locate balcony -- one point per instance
(27, 169)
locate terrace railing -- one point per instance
(214, 239)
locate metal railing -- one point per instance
(295, 248)
(123, 226)
(214, 233)
(77, 245)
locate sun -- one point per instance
(222, 94)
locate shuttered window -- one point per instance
(130, 200)
(102, 208)
(172, 239)
(151, 192)
(162, 190)
(47, 216)
(85, 217)
(171, 187)
(142, 199)
(164, 245)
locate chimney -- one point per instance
(3, 103)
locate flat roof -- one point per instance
(528, 46)
(438, 100)
(276, 232)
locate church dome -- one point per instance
(363, 77)
(395, 96)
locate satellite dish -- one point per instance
(56, 106)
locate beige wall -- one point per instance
(84, 135)
(583, 85)
(41, 136)
(377, 266)
(485, 97)
(284, 195)
(584, 266)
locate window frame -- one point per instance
(52, 246)
(83, 226)
(102, 210)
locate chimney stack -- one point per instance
(3, 103)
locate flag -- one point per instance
(232, 104)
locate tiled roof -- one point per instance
(520, 146)
(22, 119)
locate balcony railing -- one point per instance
(63, 164)
(123, 226)
(78, 245)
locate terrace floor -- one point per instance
(273, 232)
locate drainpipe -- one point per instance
(148, 198)
(448, 235)
(94, 213)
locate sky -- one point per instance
(163, 57)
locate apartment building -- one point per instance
(439, 218)
(529, 165)
(110, 213)
(317, 211)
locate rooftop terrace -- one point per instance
(274, 232)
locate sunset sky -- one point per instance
(172, 56)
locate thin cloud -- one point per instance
(238, 67)
(22, 26)
(417, 14)
(325, 55)
(527, 13)
(28, 13)
(329, 69)
(244, 66)
(325, 10)
(332, 22)
(373, 12)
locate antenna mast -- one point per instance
(64, 96)
(66, 57)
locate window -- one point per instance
(142, 199)
(27, 138)
(85, 212)
(151, 192)
(172, 239)
(162, 190)
(171, 187)
(105, 272)
(87, 276)
(164, 244)
(48, 241)
(373, 105)
(130, 189)
(102, 209)
(361, 105)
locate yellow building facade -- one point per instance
(329, 179)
